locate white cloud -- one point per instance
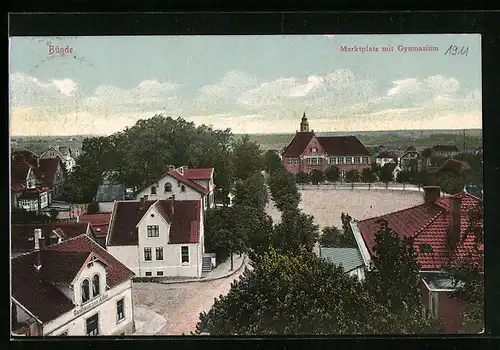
(341, 100)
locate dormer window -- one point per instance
(168, 187)
(96, 285)
(153, 189)
(85, 291)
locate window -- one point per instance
(147, 254)
(183, 188)
(332, 160)
(433, 305)
(313, 149)
(93, 325)
(348, 160)
(159, 253)
(168, 187)
(153, 189)
(185, 255)
(357, 160)
(290, 160)
(295, 161)
(340, 160)
(365, 160)
(85, 291)
(314, 161)
(159, 273)
(148, 274)
(154, 231)
(96, 288)
(120, 314)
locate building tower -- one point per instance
(304, 124)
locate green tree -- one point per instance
(331, 237)
(352, 176)
(302, 177)
(21, 216)
(219, 223)
(332, 174)
(375, 168)
(297, 294)
(386, 173)
(449, 182)
(247, 158)
(468, 273)
(272, 161)
(93, 208)
(284, 190)
(317, 176)
(53, 214)
(367, 175)
(348, 239)
(251, 192)
(394, 279)
(295, 232)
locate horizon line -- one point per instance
(270, 133)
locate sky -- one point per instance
(251, 84)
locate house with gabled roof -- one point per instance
(307, 151)
(158, 238)
(386, 157)
(99, 224)
(412, 160)
(65, 154)
(73, 288)
(184, 183)
(437, 228)
(444, 150)
(108, 192)
(24, 236)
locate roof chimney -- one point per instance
(38, 236)
(173, 201)
(454, 222)
(142, 203)
(431, 193)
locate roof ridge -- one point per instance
(111, 222)
(428, 223)
(397, 211)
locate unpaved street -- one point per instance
(181, 304)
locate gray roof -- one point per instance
(110, 193)
(349, 258)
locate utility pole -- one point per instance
(464, 140)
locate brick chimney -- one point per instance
(172, 202)
(431, 193)
(454, 222)
(142, 203)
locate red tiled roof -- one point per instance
(47, 169)
(187, 182)
(184, 228)
(60, 263)
(33, 193)
(427, 224)
(297, 145)
(16, 186)
(343, 145)
(99, 223)
(179, 177)
(22, 235)
(198, 173)
(454, 165)
(25, 156)
(40, 297)
(116, 273)
(19, 171)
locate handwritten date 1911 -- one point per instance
(457, 50)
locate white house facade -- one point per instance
(184, 184)
(73, 288)
(158, 238)
(64, 154)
